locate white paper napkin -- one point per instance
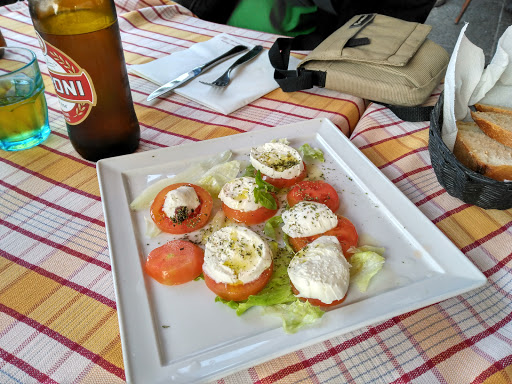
(467, 81)
(249, 81)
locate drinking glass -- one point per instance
(23, 110)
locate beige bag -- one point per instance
(375, 57)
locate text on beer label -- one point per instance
(72, 84)
(73, 87)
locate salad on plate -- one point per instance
(268, 234)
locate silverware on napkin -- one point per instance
(187, 76)
(224, 80)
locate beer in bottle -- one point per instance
(2, 40)
(82, 46)
(2, 44)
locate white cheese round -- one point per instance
(239, 194)
(320, 271)
(235, 255)
(277, 160)
(183, 196)
(308, 218)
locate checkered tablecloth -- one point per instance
(58, 318)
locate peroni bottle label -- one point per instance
(72, 84)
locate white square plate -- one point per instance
(179, 334)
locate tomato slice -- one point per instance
(317, 302)
(250, 217)
(344, 231)
(175, 262)
(195, 221)
(285, 183)
(318, 191)
(239, 292)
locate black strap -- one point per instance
(294, 80)
(413, 114)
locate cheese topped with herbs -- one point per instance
(180, 203)
(239, 194)
(235, 255)
(308, 218)
(320, 271)
(277, 160)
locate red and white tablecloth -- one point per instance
(58, 318)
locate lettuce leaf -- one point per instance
(310, 153)
(215, 178)
(295, 315)
(366, 248)
(151, 229)
(364, 265)
(277, 291)
(277, 297)
(270, 226)
(190, 175)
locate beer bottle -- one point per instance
(82, 46)
(2, 44)
(2, 40)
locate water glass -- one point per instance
(23, 110)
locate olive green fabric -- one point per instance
(256, 15)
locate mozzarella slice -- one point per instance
(239, 194)
(308, 218)
(183, 197)
(277, 160)
(235, 255)
(320, 271)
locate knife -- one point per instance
(185, 77)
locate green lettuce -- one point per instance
(277, 297)
(190, 175)
(364, 265)
(271, 225)
(295, 315)
(277, 291)
(366, 248)
(308, 152)
(215, 178)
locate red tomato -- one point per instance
(195, 221)
(175, 262)
(317, 302)
(250, 217)
(318, 191)
(285, 183)
(239, 292)
(344, 231)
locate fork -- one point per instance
(224, 80)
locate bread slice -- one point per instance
(493, 108)
(479, 152)
(496, 125)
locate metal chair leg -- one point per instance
(464, 7)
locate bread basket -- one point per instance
(459, 181)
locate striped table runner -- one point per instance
(58, 318)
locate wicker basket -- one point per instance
(459, 181)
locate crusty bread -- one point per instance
(496, 125)
(482, 154)
(493, 108)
